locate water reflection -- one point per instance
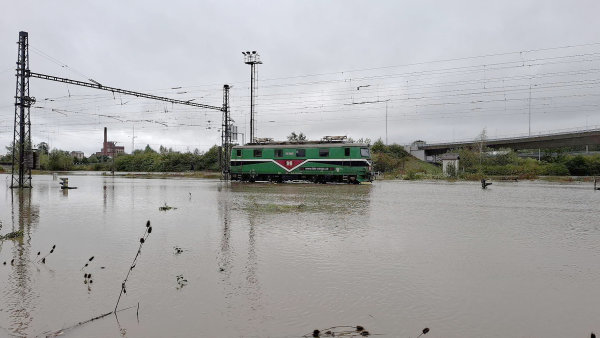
(225, 255)
(253, 288)
(259, 199)
(238, 280)
(108, 193)
(21, 297)
(264, 213)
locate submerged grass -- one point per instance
(194, 174)
(275, 208)
(12, 235)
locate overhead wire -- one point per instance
(425, 89)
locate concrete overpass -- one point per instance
(569, 138)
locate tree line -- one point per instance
(148, 159)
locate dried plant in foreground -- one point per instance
(142, 241)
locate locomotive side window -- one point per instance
(257, 152)
(323, 152)
(300, 152)
(365, 152)
(238, 152)
(346, 151)
(278, 152)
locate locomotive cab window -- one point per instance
(238, 152)
(346, 151)
(278, 152)
(257, 152)
(323, 152)
(300, 152)
(365, 152)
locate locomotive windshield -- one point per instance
(364, 152)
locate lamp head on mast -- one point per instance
(251, 58)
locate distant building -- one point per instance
(78, 155)
(109, 148)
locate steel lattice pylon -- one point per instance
(225, 152)
(22, 154)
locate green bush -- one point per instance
(388, 158)
(555, 169)
(60, 160)
(411, 175)
(577, 165)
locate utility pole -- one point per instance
(252, 59)
(386, 141)
(529, 110)
(225, 153)
(132, 138)
(22, 155)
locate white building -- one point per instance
(450, 164)
(78, 155)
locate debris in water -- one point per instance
(62, 331)
(88, 280)
(484, 183)
(178, 250)
(425, 330)
(181, 282)
(43, 260)
(337, 331)
(166, 207)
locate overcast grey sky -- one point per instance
(322, 61)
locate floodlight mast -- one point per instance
(252, 59)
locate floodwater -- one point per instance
(267, 260)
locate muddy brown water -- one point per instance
(279, 260)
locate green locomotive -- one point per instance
(316, 161)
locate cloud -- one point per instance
(389, 45)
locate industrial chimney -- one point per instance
(105, 144)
